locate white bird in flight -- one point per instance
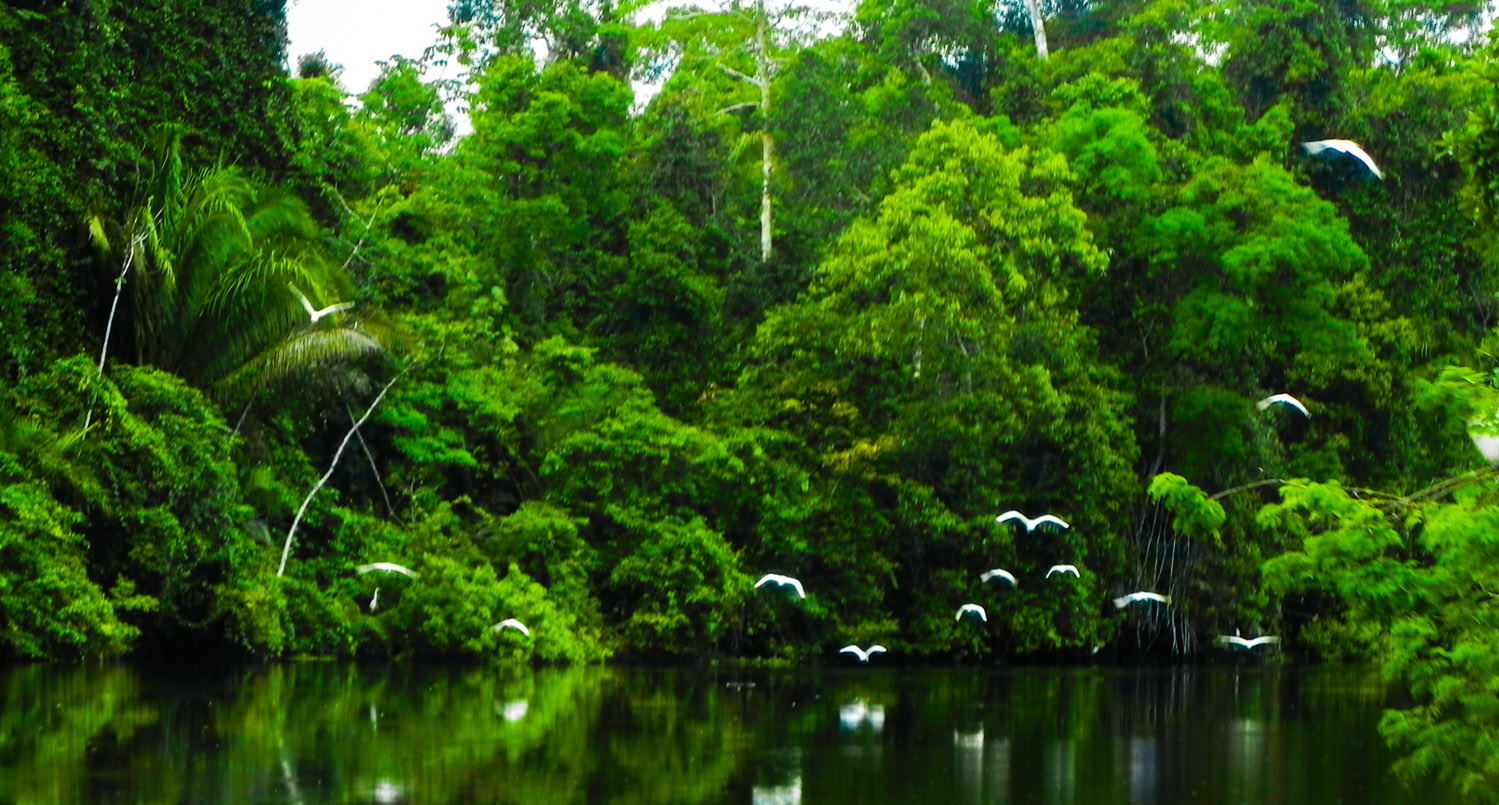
(318, 314)
(999, 573)
(1239, 642)
(862, 654)
(1063, 570)
(1349, 147)
(384, 567)
(974, 609)
(374, 598)
(1030, 525)
(781, 581)
(1125, 600)
(1284, 399)
(512, 623)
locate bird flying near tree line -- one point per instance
(968, 611)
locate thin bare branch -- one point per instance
(738, 106)
(291, 532)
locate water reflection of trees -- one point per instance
(318, 732)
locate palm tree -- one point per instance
(213, 261)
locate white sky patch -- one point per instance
(359, 33)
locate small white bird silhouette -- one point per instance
(1284, 399)
(1239, 642)
(384, 567)
(1063, 570)
(781, 581)
(374, 598)
(1125, 600)
(1349, 147)
(1030, 525)
(318, 314)
(999, 573)
(512, 623)
(862, 654)
(972, 609)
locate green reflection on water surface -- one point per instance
(351, 733)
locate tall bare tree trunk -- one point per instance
(1038, 25)
(767, 139)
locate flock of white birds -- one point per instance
(976, 612)
(971, 611)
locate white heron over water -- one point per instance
(999, 573)
(1283, 399)
(781, 581)
(1031, 524)
(972, 609)
(384, 567)
(1246, 644)
(1063, 570)
(1125, 600)
(512, 623)
(313, 313)
(862, 654)
(1316, 148)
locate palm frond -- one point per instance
(300, 352)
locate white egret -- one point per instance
(1248, 645)
(781, 581)
(999, 573)
(1030, 524)
(384, 567)
(1485, 436)
(862, 654)
(318, 314)
(1125, 600)
(512, 623)
(1063, 570)
(1284, 399)
(374, 598)
(1348, 147)
(972, 609)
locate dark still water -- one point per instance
(319, 732)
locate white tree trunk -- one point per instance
(767, 140)
(1038, 25)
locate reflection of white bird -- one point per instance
(515, 711)
(1063, 570)
(972, 609)
(1284, 399)
(318, 314)
(1348, 147)
(998, 573)
(512, 623)
(1030, 525)
(384, 567)
(968, 740)
(781, 581)
(1125, 600)
(857, 712)
(1239, 642)
(862, 654)
(374, 598)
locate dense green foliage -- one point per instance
(608, 407)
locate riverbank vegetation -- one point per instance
(825, 304)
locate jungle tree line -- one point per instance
(836, 295)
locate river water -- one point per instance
(332, 732)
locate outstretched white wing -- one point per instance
(512, 623)
(1050, 518)
(1348, 147)
(780, 580)
(1014, 515)
(1063, 570)
(384, 567)
(999, 573)
(876, 649)
(1285, 399)
(1125, 600)
(975, 609)
(856, 651)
